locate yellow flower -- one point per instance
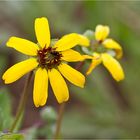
(49, 62)
(104, 56)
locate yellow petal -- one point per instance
(40, 93)
(83, 40)
(71, 40)
(111, 44)
(19, 69)
(42, 32)
(22, 45)
(87, 57)
(113, 67)
(71, 56)
(96, 60)
(72, 75)
(58, 85)
(101, 32)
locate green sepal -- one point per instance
(89, 34)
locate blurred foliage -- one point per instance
(92, 112)
(48, 114)
(30, 133)
(49, 117)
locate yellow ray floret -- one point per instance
(22, 45)
(96, 60)
(19, 69)
(40, 93)
(58, 85)
(42, 31)
(101, 32)
(69, 41)
(109, 62)
(72, 75)
(71, 56)
(111, 44)
(113, 67)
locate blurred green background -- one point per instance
(104, 108)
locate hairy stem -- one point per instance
(22, 103)
(59, 120)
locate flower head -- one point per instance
(105, 49)
(48, 61)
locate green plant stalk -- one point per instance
(59, 120)
(22, 102)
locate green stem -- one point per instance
(22, 102)
(59, 120)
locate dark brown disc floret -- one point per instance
(49, 57)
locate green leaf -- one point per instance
(5, 109)
(10, 136)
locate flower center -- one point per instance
(49, 57)
(97, 46)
